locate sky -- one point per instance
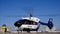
(13, 10)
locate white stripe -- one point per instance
(29, 26)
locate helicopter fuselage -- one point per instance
(31, 24)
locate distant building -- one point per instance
(8, 28)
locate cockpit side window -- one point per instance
(28, 22)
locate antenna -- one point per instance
(30, 13)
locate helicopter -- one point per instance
(31, 23)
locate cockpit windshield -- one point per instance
(25, 21)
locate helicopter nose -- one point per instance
(17, 24)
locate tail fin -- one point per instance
(50, 24)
